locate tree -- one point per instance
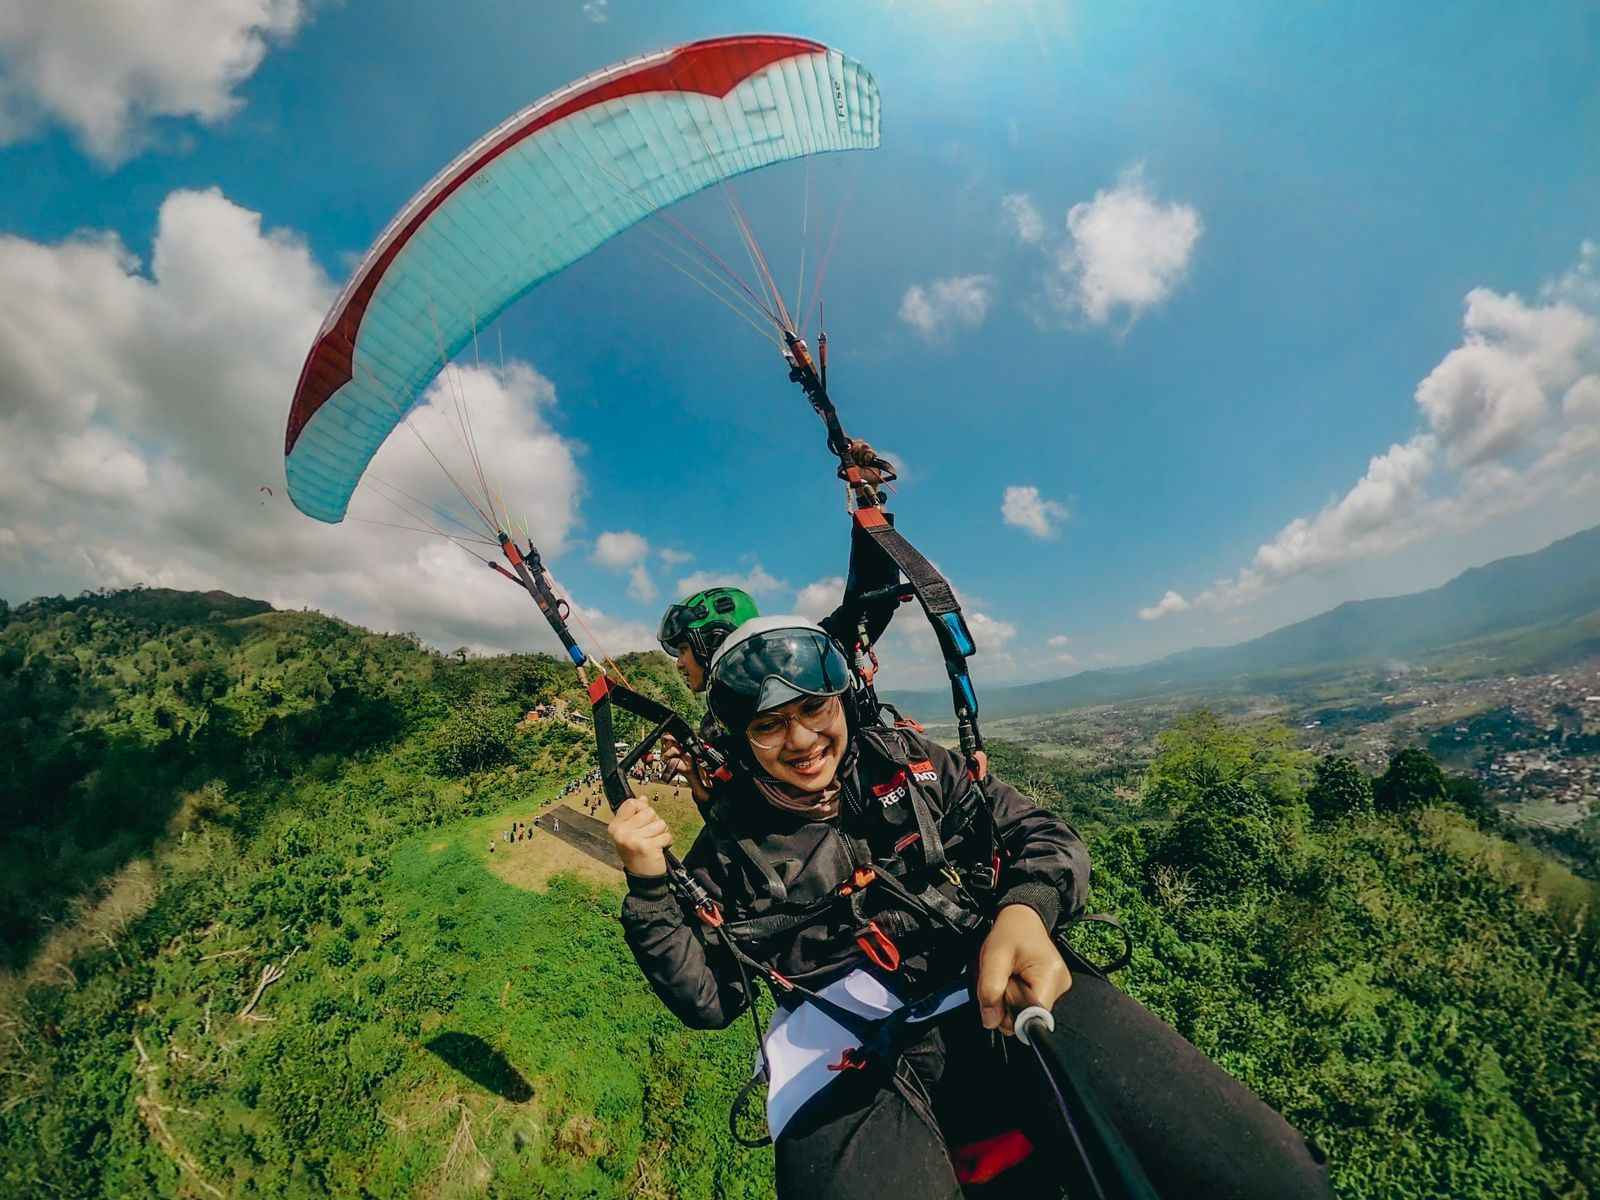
(1205, 750)
(474, 737)
(1340, 790)
(1224, 842)
(1466, 793)
(1412, 781)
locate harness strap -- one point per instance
(934, 903)
(931, 588)
(760, 929)
(932, 844)
(769, 877)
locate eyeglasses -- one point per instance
(771, 729)
(763, 672)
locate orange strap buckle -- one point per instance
(850, 1060)
(877, 946)
(710, 914)
(859, 879)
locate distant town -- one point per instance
(1532, 741)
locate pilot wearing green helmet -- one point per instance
(692, 630)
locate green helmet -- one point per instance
(703, 620)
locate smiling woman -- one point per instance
(879, 884)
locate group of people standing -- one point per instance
(520, 831)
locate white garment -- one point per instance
(801, 1043)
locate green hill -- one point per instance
(257, 943)
(123, 713)
(1522, 613)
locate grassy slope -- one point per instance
(436, 1028)
(443, 1030)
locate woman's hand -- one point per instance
(675, 760)
(640, 836)
(1018, 965)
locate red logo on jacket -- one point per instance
(891, 793)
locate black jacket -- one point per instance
(762, 864)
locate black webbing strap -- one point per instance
(932, 589)
(606, 694)
(758, 862)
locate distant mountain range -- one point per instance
(1524, 612)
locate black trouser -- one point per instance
(1196, 1130)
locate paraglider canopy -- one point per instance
(533, 196)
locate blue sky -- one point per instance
(1270, 309)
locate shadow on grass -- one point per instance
(481, 1063)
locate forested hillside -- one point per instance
(201, 795)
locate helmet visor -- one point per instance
(676, 623)
(771, 669)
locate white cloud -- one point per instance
(1511, 416)
(1489, 394)
(820, 597)
(107, 69)
(1128, 252)
(1582, 401)
(627, 551)
(1026, 509)
(1125, 252)
(1059, 641)
(1165, 607)
(990, 632)
(144, 413)
(947, 304)
(595, 10)
(756, 581)
(1378, 516)
(1026, 222)
(674, 558)
(619, 551)
(641, 587)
